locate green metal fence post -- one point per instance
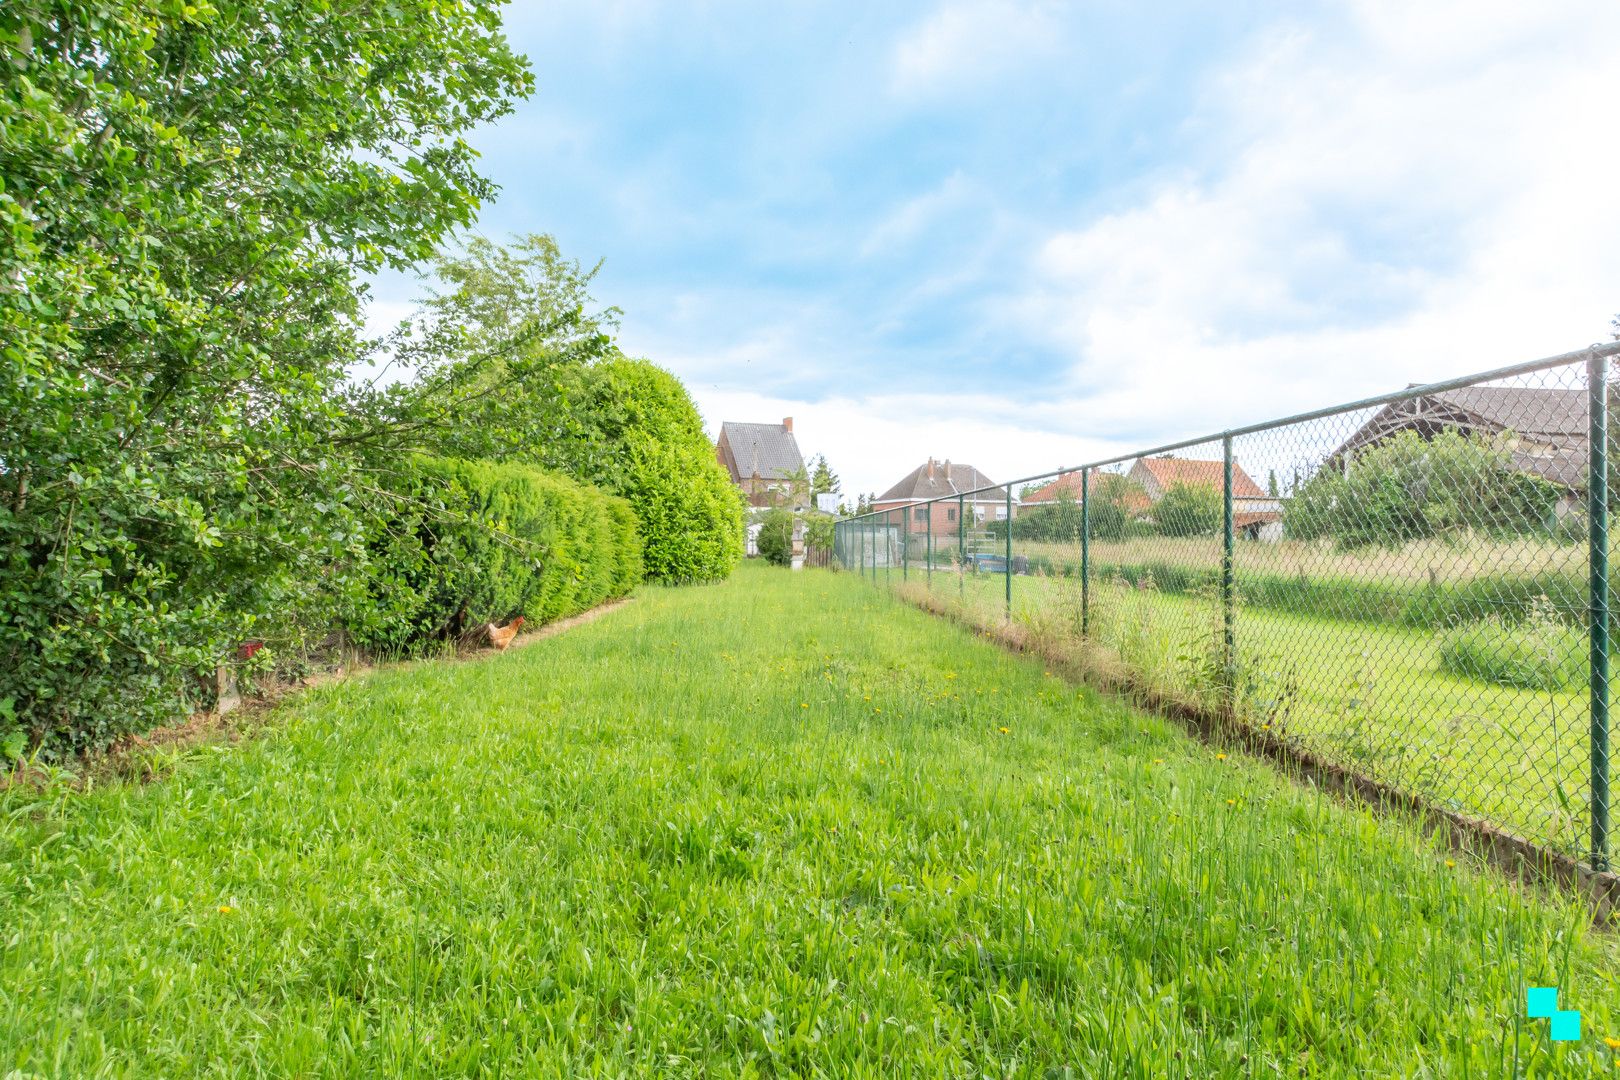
(928, 550)
(905, 544)
(1597, 512)
(961, 549)
(1228, 605)
(1009, 552)
(890, 549)
(1085, 553)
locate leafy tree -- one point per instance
(1408, 488)
(1113, 499)
(798, 486)
(1189, 510)
(491, 350)
(189, 197)
(1271, 484)
(514, 362)
(818, 531)
(775, 540)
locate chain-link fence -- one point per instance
(1414, 587)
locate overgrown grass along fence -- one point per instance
(1414, 586)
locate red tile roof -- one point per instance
(1174, 470)
(1131, 497)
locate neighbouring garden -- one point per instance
(780, 826)
(205, 461)
(1421, 619)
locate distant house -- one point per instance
(940, 480)
(760, 458)
(1067, 486)
(1549, 426)
(1255, 514)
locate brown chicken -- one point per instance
(501, 636)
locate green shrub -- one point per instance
(480, 541)
(632, 430)
(1537, 653)
(186, 227)
(1410, 488)
(1188, 510)
(775, 540)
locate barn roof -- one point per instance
(1553, 418)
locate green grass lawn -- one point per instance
(782, 826)
(1371, 696)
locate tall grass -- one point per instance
(1536, 653)
(1377, 697)
(779, 827)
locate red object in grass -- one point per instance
(246, 650)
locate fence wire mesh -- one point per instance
(1414, 588)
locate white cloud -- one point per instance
(1413, 192)
(968, 42)
(1415, 197)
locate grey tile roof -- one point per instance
(1528, 410)
(948, 479)
(769, 448)
(1552, 419)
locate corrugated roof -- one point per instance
(1173, 470)
(947, 478)
(769, 449)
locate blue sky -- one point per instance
(1029, 234)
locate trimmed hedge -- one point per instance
(633, 430)
(482, 541)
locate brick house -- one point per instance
(1255, 514)
(940, 480)
(760, 458)
(1067, 486)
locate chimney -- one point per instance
(947, 469)
(787, 422)
(930, 470)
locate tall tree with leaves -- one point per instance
(190, 195)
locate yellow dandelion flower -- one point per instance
(1158, 761)
(1231, 802)
(1004, 731)
(225, 909)
(1220, 757)
(950, 674)
(1451, 864)
(804, 704)
(1612, 1044)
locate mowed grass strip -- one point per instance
(782, 826)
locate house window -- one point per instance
(950, 514)
(1001, 512)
